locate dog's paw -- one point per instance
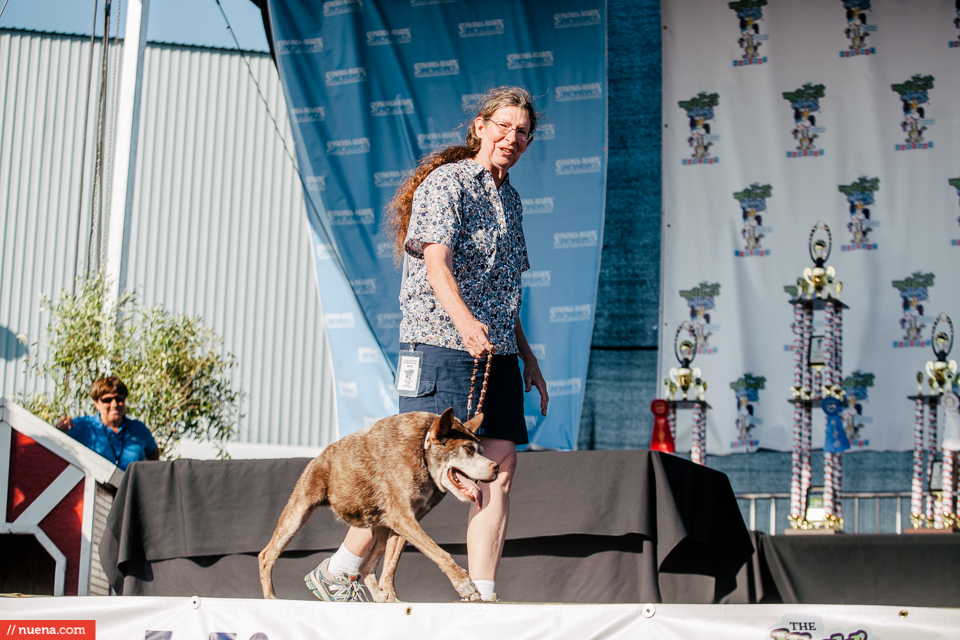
(470, 594)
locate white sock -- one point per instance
(344, 562)
(485, 587)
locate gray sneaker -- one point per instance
(339, 587)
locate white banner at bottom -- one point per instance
(133, 618)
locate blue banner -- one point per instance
(374, 87)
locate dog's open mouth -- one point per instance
(466, 486)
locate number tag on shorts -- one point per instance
(408, 373)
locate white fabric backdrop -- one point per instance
(736, 220)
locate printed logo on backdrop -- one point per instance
(423, 3)
(753, 200)
(324, 252)
(385, 250)
(316, 183)
(309, 45)
(350, 216)
(570, 313)
(859, 195)
(345, 76)
(571, 166)
(537, 205)
(805, 102)
(570, 92)
(535, 279)
(575, 239)
(807, 630)
(568, 387)
(747, 389)
(913, 291)
(855, 395)
(430, 141)
(750, 13)
(531, 59)
(339, 320)
(701, 299)
(336, 7)
(391, 107)
(700, 113)
(546, 131)
(483, 28)
(576, 19)
(368, 355)
(955, 183)
(858, 30)
(308, 114)
(390, 179)
(436, 68)
(914, 94)
(348, 147)
(385, 37)
(388, 320)
(364, 286)
(539, 349)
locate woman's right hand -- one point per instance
(475, 336)
(64, 424)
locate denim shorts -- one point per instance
(445, 382)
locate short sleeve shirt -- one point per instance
(459, 206)
(132, 443)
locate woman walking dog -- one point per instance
(458, 226)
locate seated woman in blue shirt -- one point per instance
(110, 433)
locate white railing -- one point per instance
(852, 523)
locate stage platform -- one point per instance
(133, 618)
(585, 527)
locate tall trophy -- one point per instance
(926, 511)
(683, 379)
(817, 376)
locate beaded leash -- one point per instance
(483, 389)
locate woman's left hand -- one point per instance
(532, 377)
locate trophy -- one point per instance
(926, 511)
(682, 378)
(817, 376)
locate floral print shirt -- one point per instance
(459, 206)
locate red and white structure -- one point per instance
(59, 492)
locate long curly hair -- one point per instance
(400, 207)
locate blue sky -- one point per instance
(182, 21)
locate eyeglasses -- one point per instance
(523, 135)
(111, 399)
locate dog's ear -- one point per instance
(474, 423)
(440, 429)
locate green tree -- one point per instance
(178, 377)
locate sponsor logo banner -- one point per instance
(336, 7)
(350, 216)
(309, 45)
(532, 59)
(391, 107)
(570, 92)
(570, 313)
(345, 76)
(568, 387)
(571, 166)
(545, 131)
(387, 179)
(484, 28)
(431, 141)
(348, 147)
(537, 205)
(347, 389)
(308, 114)
(368, 355)
(384, 37)
(363, 286)
(388, 320)
(436, 68)
(575, 239)
(339, 320)
(576, 19)
(315, 183)
(535, 279)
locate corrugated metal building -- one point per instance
(218, 228)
